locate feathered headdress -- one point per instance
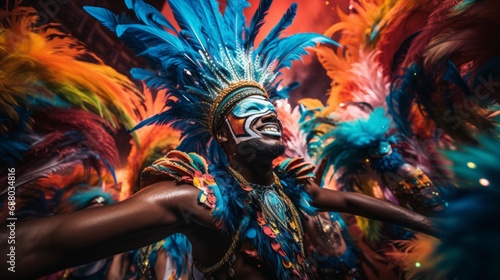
(210, 63)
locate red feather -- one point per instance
(54, 123)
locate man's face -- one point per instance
(255, 127)
(254, 118)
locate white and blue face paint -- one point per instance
(244, 115)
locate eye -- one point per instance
(250, 107)
(253, 108)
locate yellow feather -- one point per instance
(155, 140)
(43, 61)
(355, 31)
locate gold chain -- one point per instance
(288, 202)
(242, 179)
(225, 259)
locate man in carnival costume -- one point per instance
(242, 217)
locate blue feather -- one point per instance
(390, 163)
(212, 28)
(16, 141)
(234, 19)
(353, 141)
(284, 92)
(103, 15)
(453, 75)
(12, 150)
(178, 248)
(38, 202)
(273, 36)
(400, 99)
(151, 36)
(151, 78)
(111, 21)
(292, 48)
(81, 198)
(189, 23)
(149, 14)
(256, 22)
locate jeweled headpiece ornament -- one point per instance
(209, 63)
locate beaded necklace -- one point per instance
(277, 227)
(278, 219)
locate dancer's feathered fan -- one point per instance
(61, 106)
(451, 70)
(154, 142)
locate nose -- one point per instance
(271, 117)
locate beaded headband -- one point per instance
(228, 98)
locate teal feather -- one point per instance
(256, 22)
(149, 14)
(81, 198)
(273, 36)
(234, 17)
(353, 141)
(178, 248)
(469, 242)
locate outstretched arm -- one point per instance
(48, 244)
(369, 207)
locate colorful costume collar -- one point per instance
(265, 220)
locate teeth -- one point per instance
(273, 129)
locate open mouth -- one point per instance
(270, 129)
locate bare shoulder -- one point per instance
(171, 189)
(179, 199)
